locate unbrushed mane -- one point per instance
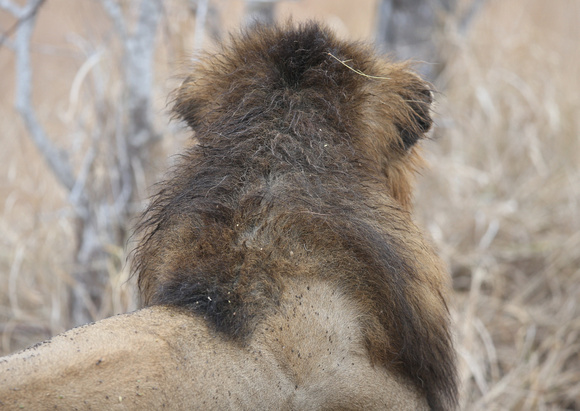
(303, 165)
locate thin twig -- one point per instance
(21, 13)
(57, 159)
(343, 62)
(116, 14)
(12, 8)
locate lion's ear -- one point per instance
(190, 104)
(417, 121)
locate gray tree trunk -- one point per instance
(411, 29)
(260, 11)
(406, 29)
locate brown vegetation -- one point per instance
(503, 195)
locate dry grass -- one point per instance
(501, 200)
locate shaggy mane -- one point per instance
(304, 162)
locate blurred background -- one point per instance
(85, 132)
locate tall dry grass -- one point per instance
(501, 198)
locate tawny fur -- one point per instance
(303, 168)
(309, 355)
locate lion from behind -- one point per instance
(279, 261)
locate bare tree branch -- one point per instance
(139, 49)
(121, 132)
(200, 19)
(56, 158)
(138, 73)
(116, 14)
(78, 192)
(21, 13)
(13, 9)
(467, 19)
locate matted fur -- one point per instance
(303, 168)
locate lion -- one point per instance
(279, 264)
